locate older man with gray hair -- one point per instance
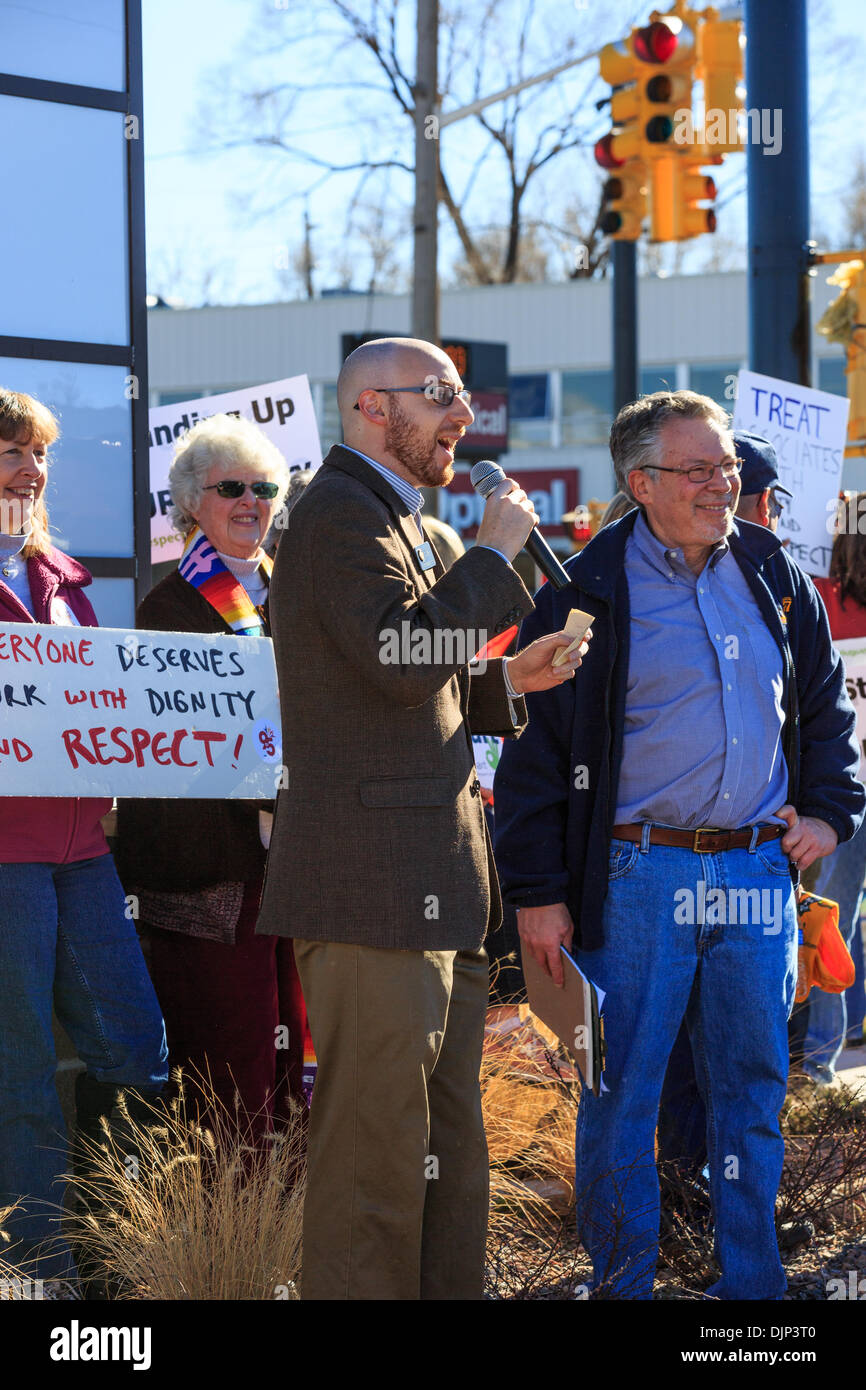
(653, 819)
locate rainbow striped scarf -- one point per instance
(201, 566)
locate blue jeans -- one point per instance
(672, 951)
(64, 942)
(840, 878)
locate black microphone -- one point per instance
(485, 477)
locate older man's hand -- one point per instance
(533, 669)
(544, 930)
(806, 838)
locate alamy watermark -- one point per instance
(443, 646)
(757, 126)
(721, 907)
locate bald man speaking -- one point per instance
(380, 865)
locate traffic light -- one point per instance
(625, 202)
(678, 187)
(667, 44)
(617, 66)
(720, 69)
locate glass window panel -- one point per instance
(529, 397)
(113, 602)
(717, 381)
(662, 378)
(60, 41)
(63, 263)
(831, 375)
(89, 491)
(587, 407)
(330, 429)
(529, 434)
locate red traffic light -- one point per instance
(604, 155)
(655, 43)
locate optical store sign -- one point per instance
(107, 712)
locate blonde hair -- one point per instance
(229, 441)
(24, 419)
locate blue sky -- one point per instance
(193, 225)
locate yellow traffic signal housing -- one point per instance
(668, 45)
(720, 69)
(844, 321)
(617, 66)
(626, 203)
(678, 187)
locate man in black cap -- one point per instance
(760, 498)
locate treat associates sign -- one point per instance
(106, 712)
(282, 409)
(808, 431)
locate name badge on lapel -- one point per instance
(425, 557)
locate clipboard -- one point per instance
(573, 1013)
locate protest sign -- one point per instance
(853, 653)
(808, 431)
(108, 712)
(283, 410)
(488, 750)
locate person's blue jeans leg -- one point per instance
(646, 966)
(855, 997)
(738, 1025)
(682, 1131)
(840, 878)
(662, 935)
(65, 941)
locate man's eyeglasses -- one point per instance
(233, 487)
(701, 472)
(440, 392)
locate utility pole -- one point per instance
(624, 301)
(779, 287)
(308, 254)
(425, 285)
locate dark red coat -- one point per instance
(50, 829)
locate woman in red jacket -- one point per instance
(67, 943)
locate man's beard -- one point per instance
(404, 441)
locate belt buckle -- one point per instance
(705, 830)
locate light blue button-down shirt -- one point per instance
(409, 494)
(703, 719)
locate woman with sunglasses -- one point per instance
(67, 943)
(229, 997)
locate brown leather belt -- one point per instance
(703, 841)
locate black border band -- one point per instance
(37, 89)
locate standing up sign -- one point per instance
(282, 409)
(808, 430)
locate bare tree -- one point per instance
(345, 114)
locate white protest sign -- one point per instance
(808, 431)
(283, 410)
(853, 653)
(108, 712)
(488, 751)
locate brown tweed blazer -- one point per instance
(379, 837)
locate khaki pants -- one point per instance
(397, 1187)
